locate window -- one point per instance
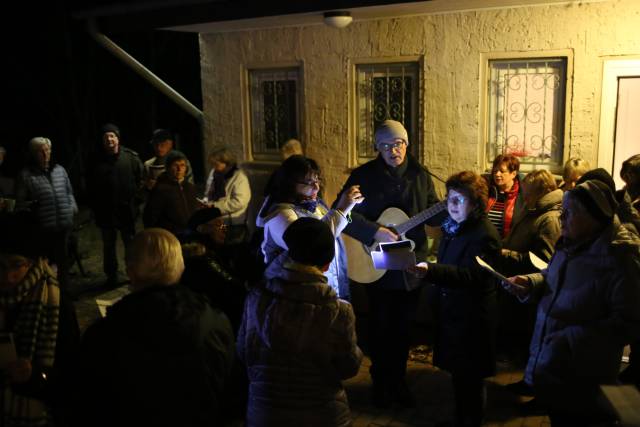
(385, 91)
(526, 110)
(275, 111)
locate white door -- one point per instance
(619, 136)
(627, 139)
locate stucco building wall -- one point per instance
(449, 47)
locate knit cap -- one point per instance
(389, 131)
(110, 127)
(597, 198)
(310, 241)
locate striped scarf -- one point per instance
(35, 332)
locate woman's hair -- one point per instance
(473, 186)
(631, 166)
(291, 148)
(512, 162)
(154, 257)
(223, 155)
(540, 182)
(574, 166)
(289, 174)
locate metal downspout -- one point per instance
(140, 69)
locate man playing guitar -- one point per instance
(393, 179)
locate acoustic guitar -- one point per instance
(359, 263)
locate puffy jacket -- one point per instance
(587, 314)
(298, 341)
(48, 195)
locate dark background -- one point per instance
(60, 83)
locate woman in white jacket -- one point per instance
(295, 195)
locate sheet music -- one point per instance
(394, 256)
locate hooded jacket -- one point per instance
(298, 341)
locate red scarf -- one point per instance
(509, 206)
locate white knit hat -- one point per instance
(390, 130)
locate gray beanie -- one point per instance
(597, 198)
(391, 130)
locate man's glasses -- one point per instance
(456, 200)
(388, 147)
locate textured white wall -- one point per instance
(450, 46)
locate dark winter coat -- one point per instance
(48, 195)
(463, 300)
(298, 342)
(170, 205)
(588, 311)
(412, 192)
(160, 357)
(115, 189)
(537, 231)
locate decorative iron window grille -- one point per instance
(385, 91)
(526, 110)
(275, 111)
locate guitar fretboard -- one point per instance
(421, 217)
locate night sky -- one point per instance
(61, 84)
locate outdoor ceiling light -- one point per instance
(337, 18)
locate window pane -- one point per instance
(526, 111)
(385, 91)
(274, 109)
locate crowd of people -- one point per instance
(221, 324)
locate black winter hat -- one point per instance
(597, 198)
(310, 241)
(601, 175)
(110, 127)
(160, 135)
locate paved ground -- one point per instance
(430, 385)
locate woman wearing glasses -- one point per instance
(294, 195)
(463, 295)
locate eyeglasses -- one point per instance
(456, 200)
(388, 147)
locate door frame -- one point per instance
(612, 70)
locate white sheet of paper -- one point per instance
(490, 269)
(537, 262)
(399, 259)
(104, 303)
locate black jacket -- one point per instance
(160, 357)
(170, 205)
(114, 189)
(463, 299)
(412, 192)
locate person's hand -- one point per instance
(351, 197)
(419, 270)
(385, 235)
(518, 286)
(150, 183)
(504, 252)
(19, 371)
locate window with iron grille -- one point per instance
(526, 111)
(275, 112)
(386, 91)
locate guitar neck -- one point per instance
(420, 217)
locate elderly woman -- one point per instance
(295, 195)
(39, 330)
(43, 189)
(228, 189)
(162, 355)
(588, 306)
(505, 201)
(463, 295)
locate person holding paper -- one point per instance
(463, 295)
(588, 307)
(393, 179)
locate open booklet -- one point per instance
(394, 256)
